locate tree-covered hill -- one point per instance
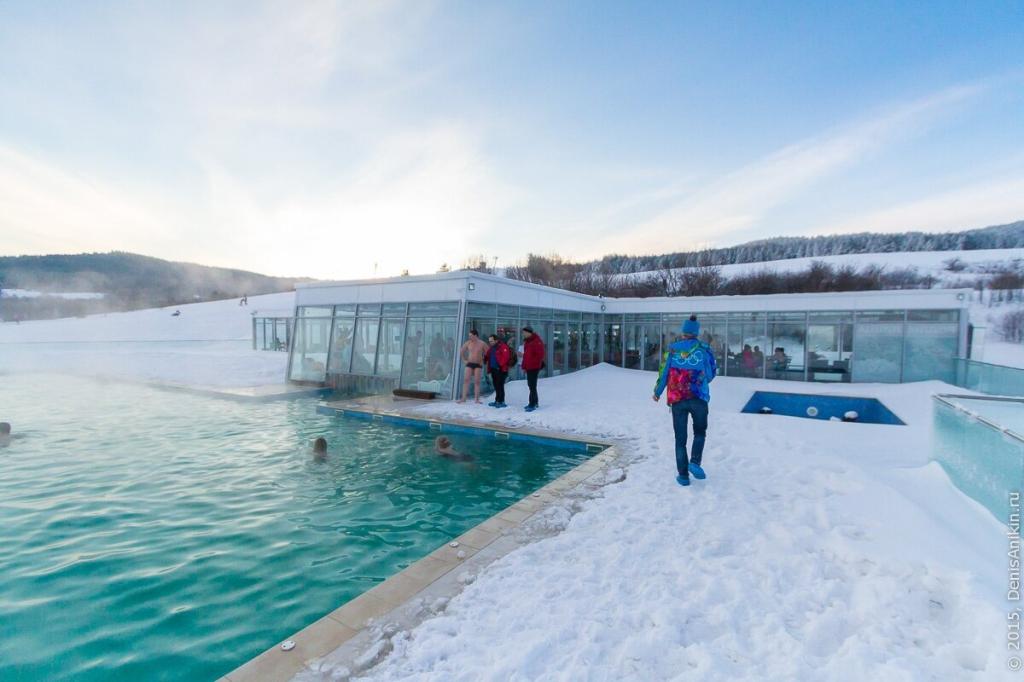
(128, 281)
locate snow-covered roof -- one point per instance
(475, 286)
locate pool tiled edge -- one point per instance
(476, 548)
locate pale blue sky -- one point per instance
(320, 138)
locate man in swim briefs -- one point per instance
(472, 353)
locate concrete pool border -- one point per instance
(346, 630)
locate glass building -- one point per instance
(377, 335)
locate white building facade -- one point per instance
(376, 335)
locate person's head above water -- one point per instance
(5, 429)
(691, 328)
(442, 442)
(320, 446)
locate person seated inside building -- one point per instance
(312, 366)
(780, 361)
(320, 449)
(443, 446)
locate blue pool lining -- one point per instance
(449, 427)
(948, 399)
(789, 404)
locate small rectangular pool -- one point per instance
(826, 407)
(150, 534)
(979, 443)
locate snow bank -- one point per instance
(815, 550)
(1004, 353)
(70, 295)
(209, 344)
(209, 321)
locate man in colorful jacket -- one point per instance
(687, 367)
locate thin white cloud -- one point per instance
(712, 212)
(44, 208)
(991, 203)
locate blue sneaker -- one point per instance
(493, 403)
(501, 405)
(697, 472)
(683, 480)
(531, 408)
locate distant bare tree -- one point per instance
(703, 279)
(1011, 326)
(478, 263)
(955, 264)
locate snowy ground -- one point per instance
(209, 344)
(815, 550)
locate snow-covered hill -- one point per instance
(210, 321)
(208, 344)
(933, 263)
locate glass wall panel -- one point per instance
(394, 310)
(829, 346)
(650, 339)
(309, 357)
(573, 356)
(369, 309)
(345, 310)
(432, 366)
(315, 311)
(589, 345)
(434, 309)
(747, 341)
(341, 345)
(364, 345)
(878, 338)
(933, 315)
(474, 309)
(613, 343)
(389, 349)
(787, 343)
(930, 351)
(557, 349)
(632, 343)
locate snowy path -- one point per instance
(793, 561)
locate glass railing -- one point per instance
(988, 378)
(976, 444)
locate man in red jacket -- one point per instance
(533, 363)
(497, 359)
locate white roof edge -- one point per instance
(809, 294)
(505, 281)
(457, 274)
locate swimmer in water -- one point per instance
(5, 433)
(320, 450)
(443, 446)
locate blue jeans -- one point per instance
(698, 409)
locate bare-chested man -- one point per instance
(472, 353)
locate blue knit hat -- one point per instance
(691, 326)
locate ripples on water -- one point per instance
(156, 535)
